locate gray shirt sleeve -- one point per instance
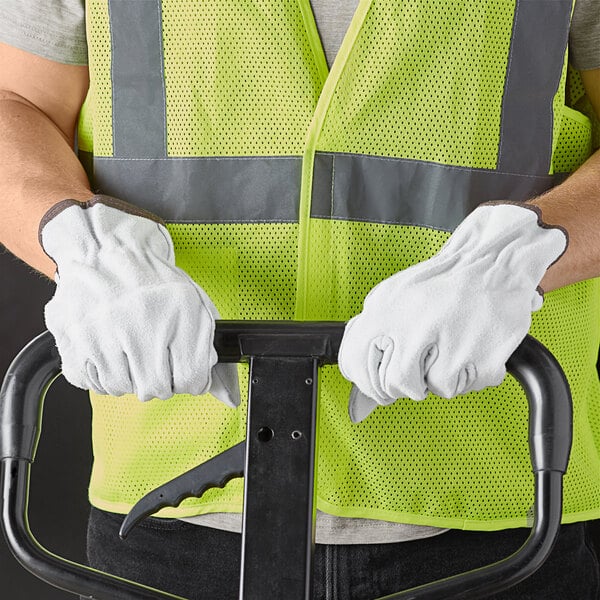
(53, 29)
(585, 35)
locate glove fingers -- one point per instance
(378, 359)
(192, 359)
(537, 300)
(400, 375)
(225, 386)
(191, 350)
(447, 380)
(112, 375)
(89, 369)
(152, 378)
(183, 365)
(467, 378)
(354, 349)
(359, 405)
(93, 378)
(207, 303)
(489, 375)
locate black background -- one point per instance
(58, 506)
(58, 500)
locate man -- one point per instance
(200, 113)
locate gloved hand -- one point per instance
(125, 318)
(449, 324)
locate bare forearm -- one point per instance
(575, 205)
(38, 168)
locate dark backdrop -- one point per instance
(58, 507)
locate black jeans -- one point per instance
(202, 563)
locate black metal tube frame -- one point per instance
(32, 372)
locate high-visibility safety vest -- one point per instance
(290, 191)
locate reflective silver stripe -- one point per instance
(206, 190)
(267, 189)
(410, 192)
(138, 102)
(539, 41)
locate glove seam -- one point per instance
(116, 203)
(541, 223)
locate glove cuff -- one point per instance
(97, 199)
(540, 221)
(103, 230)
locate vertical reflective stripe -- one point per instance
(139, 109)
(539, 41)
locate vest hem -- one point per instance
(192, 510)
(447, 522)
(356, 512)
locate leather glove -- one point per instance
(124, 317)
(449, 324)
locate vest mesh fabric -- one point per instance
(570, 151)
(468, 464)
(245, 79)
(415, 107)
(258, 118)
(466, 457)
(100, 94)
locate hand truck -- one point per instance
(277, 460)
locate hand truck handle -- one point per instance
(38, 364)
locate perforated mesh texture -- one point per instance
(576, 128)
(457, 463)
(257, 93)
(576, 98)
(100, 94)
(157, 441)
(374, 107)
(256, 263)
(85, 133)
(574, 87)
(558, 104)
(470, 455)
(165, 438)
(574, 143)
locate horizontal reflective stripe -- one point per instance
(345, 186)
(410, 192)
(206, 190)
(535, 63)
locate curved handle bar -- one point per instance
(38, 364)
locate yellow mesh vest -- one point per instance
(291, 191)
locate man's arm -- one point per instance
(40, 102)
(576, 206)
(478, 293)
(105, 347)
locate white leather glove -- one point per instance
(124, 317)
(449, 324)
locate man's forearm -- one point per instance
(38, 168)
(575, 205)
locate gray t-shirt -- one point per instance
(584, 41)
(55, 29)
